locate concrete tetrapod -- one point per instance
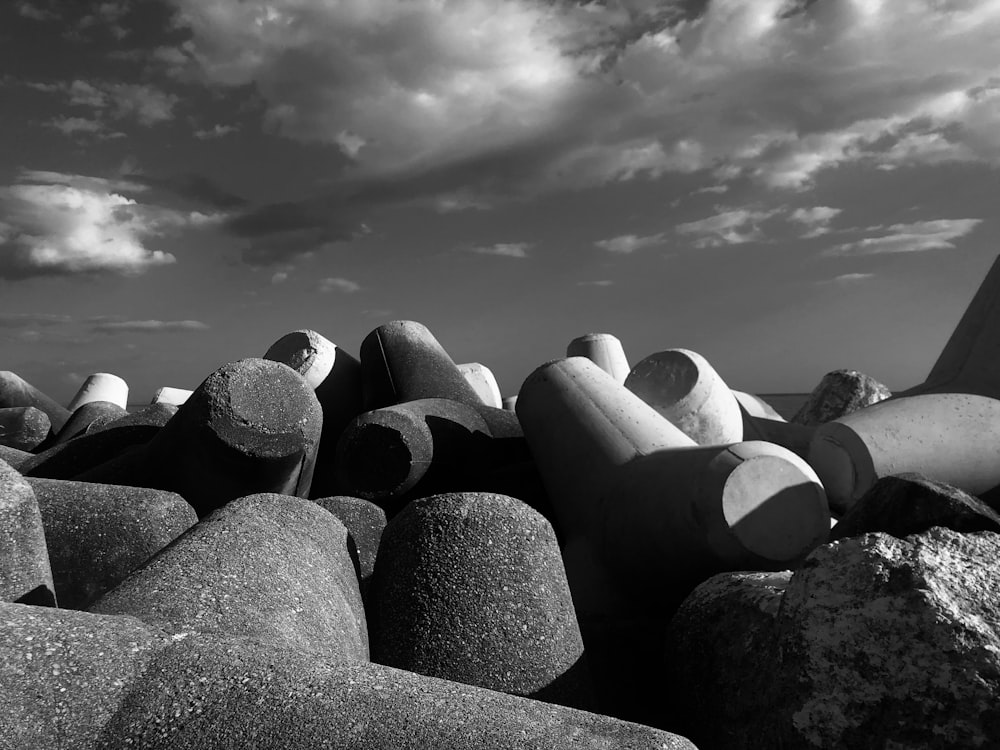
(23, 427)
(683, 387)
(15, 391)
(97, 534)
(604, 350)
(482, 379)
(87, 418)
(755, 406)
(653, 504)
(365, 522)
(948, 437)
(336, 378)
(269, 567)
(25, 574)
(252, 426)
(101, 386)
(471, 587)
(171, 396)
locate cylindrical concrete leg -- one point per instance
(402, 361)
(683, 387)
(23, 427)
(15, 391)
(604, 350)
(509, 403)
(755, 406)
(101, 386)
(482, 379)
(948, 437)
(25, 574)
(171, 396)
(88, 417)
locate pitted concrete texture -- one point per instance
(365, 522)
(205, 692)
(84, 452)
(271, 567)
(14, 458)
(63, 674)
(604, 350)
(23, 427)
(907, 504)
(471, 587)
(402, 361)
(97, 534)
(840, 392)
(25, 575)
(15, 391)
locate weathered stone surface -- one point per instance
(717, 648)
(23, 427)
(97, 534)
(15, 391)
(88, 417)
(84, 452)
(271, 567)
(471, 587)
(879, 642)
(63, 674)
(25, 575)
(910, 504)
(840, 392)
(205, 692)
(252, 426)
(365, 522)
(336, 377)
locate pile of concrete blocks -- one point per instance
(312, 549)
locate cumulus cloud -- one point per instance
(149, 326)
(551, 95)
(629, 243)
(728, 227)
(279, 277)
(504, 249)
(338, 285)
(814, 220)
(908, 238)
(216, 131)
(55, 224)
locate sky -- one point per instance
(787, 187)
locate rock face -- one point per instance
(471, 587)
(840, 392)
(879, 642)
(269, 567)
(97, 534)
(25, 574)
(910, 504)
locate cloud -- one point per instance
(142, 103)
(601, 282)
(848, 278)
(17, 320)
(216, 131)
(504, 249)
(148, 326)
(338, 285)
(629, 243)
(728, 227)
(814, 220)
(279, 277)
(36, 13)
(56, 224)
(908, 238)
(70, 125)
(561, 95)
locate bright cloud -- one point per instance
(216, 131)
(149, 326)
(501, 96)
(728, 227)
(814, 220)
(338, 285)
(57, 223)
(629, 243)
(907, 238)
(505, 249)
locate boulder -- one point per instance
(840, 392)
(471, 587)
(907, 504)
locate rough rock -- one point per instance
(206, 692)
(471, 587)
(840, 392)
(23, 427)
(271, 567)
(907, 504)
(97, 534)
(25, 574)
(63, 674)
